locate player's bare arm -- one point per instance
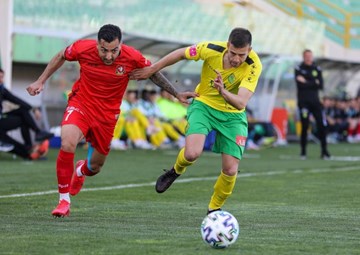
(167, 60)
(55, 63)
(239, 101)
(160, 80)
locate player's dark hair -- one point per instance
(240, 37)
(1, 71)
(109, 33)
(307, 51)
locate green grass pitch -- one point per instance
(284, 205)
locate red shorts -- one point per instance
(96, 126)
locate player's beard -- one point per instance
(235, 64)
(108, 62)
(232, 63)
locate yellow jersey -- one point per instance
(212, 53)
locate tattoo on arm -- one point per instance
(160, 80)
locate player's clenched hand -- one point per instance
(184, 96)
(141, 74)
(35, 88)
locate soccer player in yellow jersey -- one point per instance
(229, 76)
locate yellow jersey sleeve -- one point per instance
(196, 51)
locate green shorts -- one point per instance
(231, 128)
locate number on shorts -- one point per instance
(68, 114)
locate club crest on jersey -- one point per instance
(120, 70)
(231, 78)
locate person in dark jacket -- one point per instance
(309, 81)
(21, 118)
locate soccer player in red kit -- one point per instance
(93, 105)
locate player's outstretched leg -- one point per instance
(62, 209)
(165, 180)
(76, 180)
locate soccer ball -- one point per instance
(219, 229)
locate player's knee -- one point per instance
(231, 171)
(68, 145)
(191, 155)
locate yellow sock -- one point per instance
(119, 127)
(158, 138)
(170, 131)
(180, 124)
(140, 117)
(181, 163)
(134, 131)
(222, 190)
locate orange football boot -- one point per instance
(62, 209)
(77, 181)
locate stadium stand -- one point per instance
(341, 17)
(281, 30)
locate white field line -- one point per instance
(333, 158)
(244, 175)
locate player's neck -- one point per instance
(226, 62)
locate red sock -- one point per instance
(86, 171)
(64, 170)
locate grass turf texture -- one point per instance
(284, 205)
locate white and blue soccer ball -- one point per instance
(220, 229)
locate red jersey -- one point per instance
(101, 87)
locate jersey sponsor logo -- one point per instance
(120, 70)
(192, 51)
(241, 140)
(72, 108)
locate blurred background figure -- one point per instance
(173, 111)
(162, 132)
(340, 71)
(130, 125)
(309, 81)
(261, 134)
(353, 113)
(20, 118)
(5, 147)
